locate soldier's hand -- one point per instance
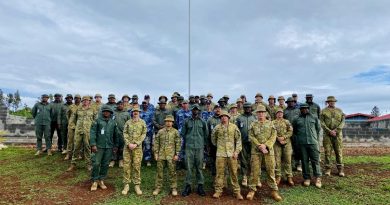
(235, 155)
(94, 149)
(175, 158)
(280, 139)
(283, 142)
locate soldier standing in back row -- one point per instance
(212, 122)
(56, 120)
(42, 113)
(64, 121)
(159, 116)
(314, 108)
(332, 122)
(147, 116)
(71, 127)
(290, 113)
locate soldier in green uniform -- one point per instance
(64, 121)
(104, 139)
(134, 134)
(202, 103)
(223, 105)
(306, 131)
(243, 123)
(56, 106)
(173, 103)
(42, 113)
(194, 134)
(227, 138)
(71, 127)
(210, 97)
(332, 122)
(166, 150)
(121, 117)
(262, 134)
(82, 120)
(283, 148)
(290, 113)
(111, 101)
(160, 115)
(314, 108)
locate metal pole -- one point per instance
(189, 48)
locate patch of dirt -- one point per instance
(10, 190)
(372, 151)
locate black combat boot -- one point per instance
(200, 190)
(187, 190)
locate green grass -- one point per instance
(34, 178)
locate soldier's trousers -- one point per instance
(296, 151)
(100, 162)
(231, 164)
(171, 170)
(64, 136)
(116, 156)
(43, 131)
(310, 152)
(212, 158)
(54, 127)
(70, 145)
(283, 159)
(335, 143)
(194, 158)
(245, 159)
(256, 161)
(147, 146)
(81, 141)
(132, 165)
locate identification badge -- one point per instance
(38, 111)
(241, 124)
(102, 131)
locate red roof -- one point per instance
(383, 117)
(359, 114)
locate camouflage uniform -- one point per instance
(147, 116)
(71, 128)
(166, 145)
(262, 133)
(121, 117)
(42, 113)
(283, 152)
(243, 123)
(228, 141)
(333, 119)
(82, 119)
(134, 132)
(96, 106)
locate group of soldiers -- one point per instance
(194, 134)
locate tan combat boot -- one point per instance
(112, 164)
(126, 189)
(71, 168)
(290, 181)
(250, 195)
(137, 190)
(239, 196)
(306, 182)
(64, 152)
(327, 171)
(277, 179)
(102, 185)
(341, 171)
(38, 153)
(156, 191)
(174, 192)
(148, 164)
(94, 186)
(318, 182)
(49, 153)
(275, 195)
(244, 181)
(204, 165)
(121, 163)
(67, 157)
(299, 168)
(217, 195)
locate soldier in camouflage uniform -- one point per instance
(121, 117)
(272, 107)
(173, 103)
(82, 120)
(210, 97)
(227, 138)
(42, 112)
(332, 122)
(282, 148)
(243, 122)
(212, 122)
(98, 103)
(259, 102)
(56, 105)
(240, 108)
(126, 102)
(290, 113)
(71, 127)
(166, 150)
(233, 113)
(181, 116)
(64, 121)
(281, 102)
(134, 134)
(262, 134)
(104, 141)
(202, 103)
(147, 116)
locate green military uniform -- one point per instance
(82, 119)
(333, 119)
(42, 113)
(159, 117)
(104, 135)
(121, 117)
(262, 133)
(64, 122)
(283, 152)
(306, 132)
(212, 122)
(56, 122)
(290, 113)
(166, 145)
(227, 139)
(71, 128)
(134, 132)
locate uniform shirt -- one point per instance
(314, 109)
(96, 106)
(159, 118)
(206, 115)
(167, 143)
(332, 118)
(56, 109)
(72, 109)
(194, 132)
(134, 132)
(283, 129)
(243, 123)
(64, 114)
(306, 129)
(272, 111)
(147, 116)
(181, 117)
(82, 119)
(262, 133)
(42, 113)
(233, 118)
(104, 133)
(291, 113)
(121, 117)
(227, 139)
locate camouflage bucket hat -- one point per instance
(169, 118)
(86, 98)
(195, 107)
(111, 96)
(281, 98)
(331, 99)
(271, 97)
(279, 110)
(261, 109)
(224, 113)
(136, 109)
(97, 95)
(258, 95)
(77, 96)
(106, 108)
(69, 96)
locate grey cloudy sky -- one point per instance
(238, 47)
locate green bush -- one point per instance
(25, 112)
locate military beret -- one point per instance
(135, 97)
(107, 108)
(304, 105)
(111, 96)
(169, 118)
(258, 95)
(309, 95)
(57, 95)
(97, 95)
(247, 104)
(77, 96)
(45, 96)
(126, 96)
(69, 96)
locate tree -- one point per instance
(375, 111)
(1, 97)
(9, 100)
(17, 100)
